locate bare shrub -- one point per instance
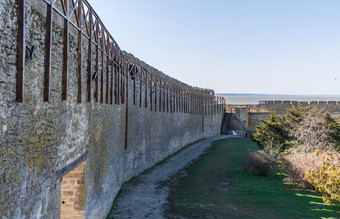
(295, 165)
(258, 163)
(311, 132)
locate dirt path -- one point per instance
(146, 196)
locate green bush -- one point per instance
(303, 128)
(325, 177)
(271, 135)
(334, 135)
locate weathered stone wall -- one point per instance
(255, 119)
(40, 140)
(282, 106)
(233, 124)
(263, 109)
(242, 113)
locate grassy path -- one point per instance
(215, 188)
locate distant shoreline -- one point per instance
(239, 98)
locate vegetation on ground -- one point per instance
(215, 187)
(326, 176)
(307, 140)
(305, 129)
(258, 163)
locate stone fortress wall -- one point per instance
(75, 109)
(251, 114)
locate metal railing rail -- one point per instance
(159, 94)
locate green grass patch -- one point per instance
(216, 188)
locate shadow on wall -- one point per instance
(233, 125)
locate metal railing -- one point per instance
(159, 94)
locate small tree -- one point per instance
(303, 128)
(271, 135)
(334, 135)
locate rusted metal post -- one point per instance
(112, 72)
(173, 99)
(48, 45)
(164, 91)
(79, 51)
(176, 99)
(89, 58)
(202, 110)
(118, 78)
(184, 101)
(146, 88)
(179, 99)
(134, 85)
(116, 75)
(155, 85)
(122, 85)
(205, 105)
(20, 52)
(188, 99)
(196, 104)
(167, 97)
(96, 93)
(107, 68)
(192, 102)
(170, 94)
(189, 102)
(102, 67)
(65, 53)
(213, 105)
(140, 86)
(127, 105)
(160, 95)
(220, 105)
(151, 88)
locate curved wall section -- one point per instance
(68, 94)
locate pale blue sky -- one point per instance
(233, 46)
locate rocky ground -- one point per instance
(146, 195)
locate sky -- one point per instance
(233, 46)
